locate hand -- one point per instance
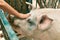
(5, 6)
(24, 16)
(2, 3)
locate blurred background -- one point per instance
(21, 6)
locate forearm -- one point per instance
(11, 10)
(5, 6)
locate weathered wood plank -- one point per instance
(6, 27)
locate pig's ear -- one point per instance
(45, 23)
(45, 17)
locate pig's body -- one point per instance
(53, 33)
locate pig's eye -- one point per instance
(30, 22)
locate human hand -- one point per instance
(24, 16)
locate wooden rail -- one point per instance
(8, 32)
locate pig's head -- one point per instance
(30, 24)
(27, 25)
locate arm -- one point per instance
(5, 6)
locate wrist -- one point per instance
(5, 5)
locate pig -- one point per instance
(32, 28)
